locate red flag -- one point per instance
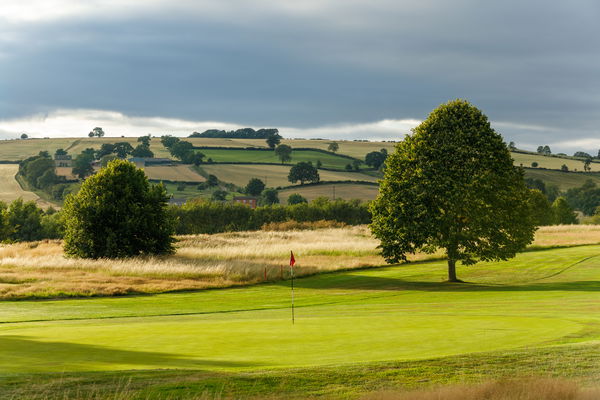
(292, 259)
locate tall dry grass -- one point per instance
(39, 269)
(531, 389)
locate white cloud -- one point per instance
(77, 123)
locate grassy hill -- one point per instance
(275, 175)
(355, 331)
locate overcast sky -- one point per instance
(313, 68)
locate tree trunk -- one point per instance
(452, 271)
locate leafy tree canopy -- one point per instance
(303, 172)
(284, 152)
(97, 131)
(273, 140)
(333, 146)
(116, 214)
(563, 213)
(296, 198)
(452, 185)
(254, 187)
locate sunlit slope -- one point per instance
(394, 313)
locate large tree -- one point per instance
(117, 213)
(452, 185)
(273, 140)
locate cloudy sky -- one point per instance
(313, 68)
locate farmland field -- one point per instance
(16, 150)
(11, 190)
(564, 180)
(331, 191)
(261, 156)
(551, 162)
(274, 175)
(83, 143)
(173, 173)
(397, 326)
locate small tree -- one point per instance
(97, 131)
(219, 195)
(541, 209)
(212, 181)
(269, 197)
(512, 146)
(254, 187)
(142, 150)
(587, 164)
(60, 152)
(534, 164)
(333, 147)
(563, 213)
(24, 136)
(452, 185)
(145, 140)
(117, 213)
(564, 168)
(122, 149)
(296, 198)
(375, 159)
(303, 172)
(284, 152)
(273, 140)
(82, 165)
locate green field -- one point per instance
(261, 156)
(333, 191)
(542, 306)
(274, 175)
(564, 180)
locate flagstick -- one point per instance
(292, 270)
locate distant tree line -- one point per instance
(24, 221)
(244, 133)
(182, 149)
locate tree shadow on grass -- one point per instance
(23, 354)
(368, 282)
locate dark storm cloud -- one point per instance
(532, 65)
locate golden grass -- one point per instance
(530, 389)
(39, 269)
(11, 190)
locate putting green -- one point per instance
(396, 313)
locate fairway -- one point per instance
(544, 298)
(274, 175)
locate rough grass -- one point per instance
(529, 389)
(40, 270)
